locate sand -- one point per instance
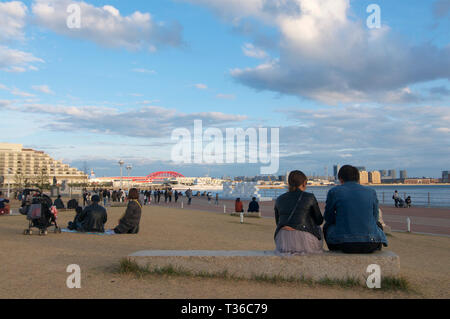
(35, 267)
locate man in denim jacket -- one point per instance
(351, 216)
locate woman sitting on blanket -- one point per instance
(129, 223)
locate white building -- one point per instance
(18, 163)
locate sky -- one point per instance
(338, 90)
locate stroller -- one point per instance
(39, 211)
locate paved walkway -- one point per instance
(423, 219)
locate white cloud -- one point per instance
(12, 60)
(253, 52)
(201, 86)
(327, 55)
(106, 26)
(226, 96)
(12, 20)
(17, 92)
(43, 89)
(142, 70)
(147, 121)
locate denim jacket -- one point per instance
(351, 215)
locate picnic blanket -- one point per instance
(106, 233)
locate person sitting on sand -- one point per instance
(298, 219)
(94, 217)
(4, 210)
(129, 223)
(58, 203)
(351, 216)
(238, 206)
(76, 223)
(253, 207)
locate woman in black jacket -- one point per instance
(129, 223)
(298, 219)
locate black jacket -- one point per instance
(253, 207)
(59, 203)
(93, 218)
(307, 216)
(129, 223)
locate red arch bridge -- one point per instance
(156, 177)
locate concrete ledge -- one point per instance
(251, 215)
(247, 264)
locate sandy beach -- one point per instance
(35, 267)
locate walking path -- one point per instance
(426, 220)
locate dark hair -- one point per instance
(95, 198)
(133, 193)
(296, 179)
(238, 199)
(254, 198)
(1, 193)
(79, 210)
(349, 173)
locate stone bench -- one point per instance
(248, 264)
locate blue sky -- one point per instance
(339, 91)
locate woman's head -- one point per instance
(133, 194)
(296, 180)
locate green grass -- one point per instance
(127, 266)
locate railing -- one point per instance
(421, 199)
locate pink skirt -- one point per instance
(296, 242)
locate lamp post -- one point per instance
(129, 168)
(121, 173)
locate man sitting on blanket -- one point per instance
(93, 218)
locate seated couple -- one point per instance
(93, 218)
(351, 217)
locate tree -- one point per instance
(42, 180)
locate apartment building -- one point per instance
(17, 163)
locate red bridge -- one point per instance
(157, 176)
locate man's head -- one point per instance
(348, 173)
(254, 198)
(95, 199)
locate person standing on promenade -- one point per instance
(189, 196)
(176, 196)
(396, 198)
(217, 199)
(352, 215)
(238, 206)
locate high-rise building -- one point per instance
(445, 177)
(336, 169)
(363, 177)
(18, 164)
(383, 172)
(375, 177)
(392, 173)
(403, 174)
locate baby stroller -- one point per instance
(40, 212)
